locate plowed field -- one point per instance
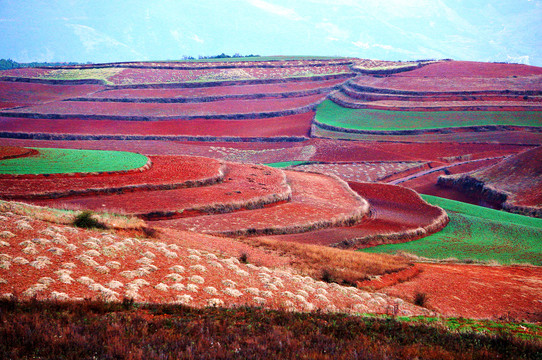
(157, 111)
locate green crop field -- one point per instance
(332, 114)
(60, 161)
(285, 164)
(477, 233)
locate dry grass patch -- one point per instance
(67, 217)
(332, 264)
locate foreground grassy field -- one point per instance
(61, 161)
(112, 330)
(477, 233)
(332, 114)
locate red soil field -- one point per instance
(458, 69)
(473, 291)
(290, 125)
(516, 137)
(11, 152)
(166, 171)
(144, 111)
(397, 105)
(206, 268)
(32, 93)
(243, 186)
(337, 150)
(215, 91)
(406, 83)
(427, 184)
(397, 215)
(308, 209)
(519, 178)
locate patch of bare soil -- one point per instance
(476, 291)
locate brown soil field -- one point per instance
(475, 291)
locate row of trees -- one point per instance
(6, 64)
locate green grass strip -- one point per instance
(284, 164)
(332, 114)
(477, 233)
(61, 161)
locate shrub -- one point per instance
(243, 258)
(420, 299)
(86, 220)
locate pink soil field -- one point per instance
(48, 261)
(486, 105)
(149, 76)
(12, 152)
(236, 64)
(135, 111)
(462, 69)
(216, 91)
(308, 209)
(469, 83)
(397, 215)
(472, 291)
(243, 186)
(19, 94)
(364, 172)
(290, 125)
(166, 172)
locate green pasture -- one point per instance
(60, 161)
(332, 114)
(477, 233)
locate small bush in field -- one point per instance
(420, 299)
(243, 258)
(87, 221)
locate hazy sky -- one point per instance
(123, 30)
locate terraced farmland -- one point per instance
(477, 233)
